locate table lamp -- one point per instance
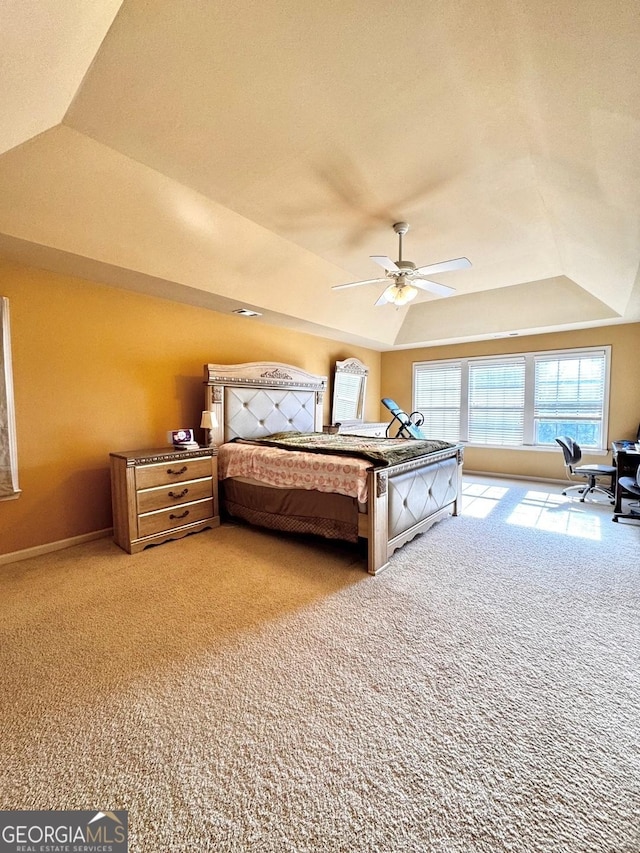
(209, 422)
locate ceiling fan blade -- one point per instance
(445, 266)
(433, 287)
(385, 262)
(357, 283)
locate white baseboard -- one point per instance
(39, 550)
(527, 477)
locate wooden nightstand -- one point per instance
(162, 494)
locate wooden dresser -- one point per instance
(162, 494)
(364, 428)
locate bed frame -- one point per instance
(256, 399)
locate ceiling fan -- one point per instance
(406, 278)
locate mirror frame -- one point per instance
(350, 367)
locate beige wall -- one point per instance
(624, 413)
(98, 369)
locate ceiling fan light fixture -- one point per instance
(404, 273)
(400, 294)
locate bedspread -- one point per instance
(378, 451)
(298, 470)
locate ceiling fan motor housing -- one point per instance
(404, 267)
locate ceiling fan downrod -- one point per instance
(401, 229)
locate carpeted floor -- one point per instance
(241, 691)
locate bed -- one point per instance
(385, 494)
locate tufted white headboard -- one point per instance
(258, 398)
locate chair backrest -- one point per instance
(571, 451)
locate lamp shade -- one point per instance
(400, 294)
(208, 420)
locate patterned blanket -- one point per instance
(381, 451)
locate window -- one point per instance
(496, 401)
(436, 393)
(524, 400)
(569, 397)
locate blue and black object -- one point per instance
(408, 425)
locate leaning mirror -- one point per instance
(349, 386)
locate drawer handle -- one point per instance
(178, 496)
(182, 515)
(181, 471)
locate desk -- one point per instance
(626, 459)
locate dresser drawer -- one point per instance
(162, 473)
(179, 493)
(167, 519)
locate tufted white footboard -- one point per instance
(406, 499)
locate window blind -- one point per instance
(496, 401)
(569, 396)
(525, 399)
(437, 389)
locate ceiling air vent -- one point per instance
(245, 312)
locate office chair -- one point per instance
(591, 473)
(630, 487)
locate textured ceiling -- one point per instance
(255, 154)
